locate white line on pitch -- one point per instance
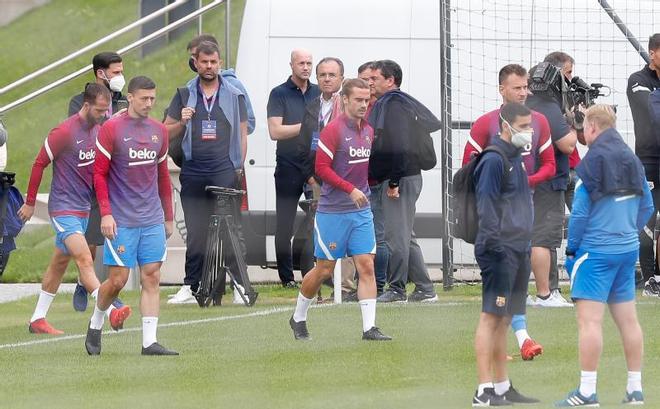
(200, 321)
(134, 329)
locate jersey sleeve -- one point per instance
(104, 150)
(477, 140)
(545, 155)
(58, 140)
(164, 183)
(577, 223)
(325, 154)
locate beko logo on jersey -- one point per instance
(359, 152)
(87, 155)
(143, 153)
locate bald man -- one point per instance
(286, 108)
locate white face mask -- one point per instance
(520, 139)
(116, 83)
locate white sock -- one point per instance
(95, 296)
(368, 308)
(43, 304)
(302, 305)
(522, 336)
(634, 381)
(483, 386)
(149, 327)
(97, 318)
(587, 383)
(502, 387)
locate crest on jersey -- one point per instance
(154, 138)
(500, 301)
(333, 246)
(121, 249)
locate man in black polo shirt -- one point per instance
(108, 70)
(549, 197)
(647, 148)
(286, 108)
(212, 116)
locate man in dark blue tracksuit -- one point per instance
(502, 246)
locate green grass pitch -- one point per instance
(239, 357)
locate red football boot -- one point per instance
(118, 316)
(41, 326)
(530, 349)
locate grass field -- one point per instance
(238, 357)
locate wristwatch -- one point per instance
(393, 185)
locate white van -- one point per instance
(355, 32)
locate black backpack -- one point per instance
(426, 158)
(465, 219)
(174, 148)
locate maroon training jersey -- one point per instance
(342, 162)
(130, 175)
(70, 147)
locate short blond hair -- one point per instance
(601, 115)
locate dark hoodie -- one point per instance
(396, 118)
(611, 168)
(504, 204)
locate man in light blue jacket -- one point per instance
(611, 206)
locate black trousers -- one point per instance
(289, 184)
(198, 206)
(647, 260)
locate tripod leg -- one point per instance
(210, 268)
(233, 249)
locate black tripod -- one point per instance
(222, 247)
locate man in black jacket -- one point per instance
(394, 167)
(647, 149)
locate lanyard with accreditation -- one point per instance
(209, 126)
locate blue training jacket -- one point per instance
(610, 225)
(612, 201)
(505, 212)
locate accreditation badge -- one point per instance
(209, 130)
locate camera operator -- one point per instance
(547, 84)
(647, 149)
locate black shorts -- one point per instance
(505, 279)
(93, 234)
(548, 218)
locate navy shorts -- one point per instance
(505, 278)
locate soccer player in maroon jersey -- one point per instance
(344, 222)
(70, 147)
(135, 197)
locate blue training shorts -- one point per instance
(344, 234)
(136, 245)
(606, 278)
(65, 226)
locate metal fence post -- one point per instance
(446, 145)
